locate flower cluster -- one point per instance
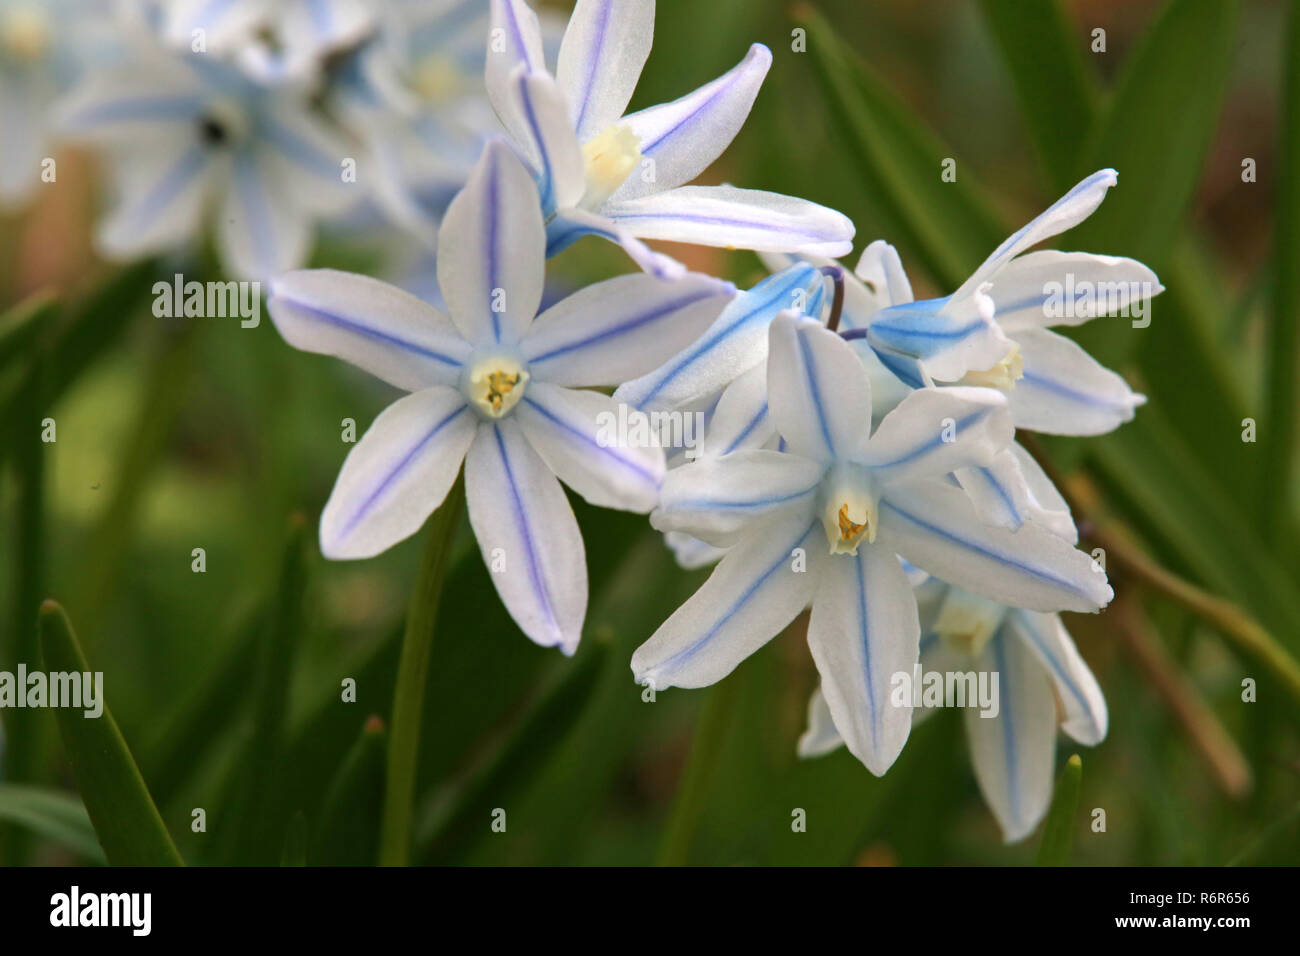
(860, 453)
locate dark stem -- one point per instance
(836, 274)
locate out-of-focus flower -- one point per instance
(1042, 683)
(994, 330)
(43, 46)
(274, 41)
(624, 177)
(190, 135)
(494, 387)
(825, 521)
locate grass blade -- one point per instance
(1058, 834)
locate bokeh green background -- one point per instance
(187, 433)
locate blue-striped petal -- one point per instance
(1065, 391)
(1083, 708)
(604, 48)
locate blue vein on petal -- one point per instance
(860, 576)
(886, 504)
(707, 345)
(517, 34)
(590, 442)
(493, 253)
(810, 368)
(1065, 391)
(169, 187)
(357, 328)
(617, 215)
(164, 107)
(630, 325)
(598, 48)
(917, 452)
(299, 151)
(546, 186)
(722, 90)
(1030, 631)
(530, 548)
(686, 653)
(704, 504)
(1008, 728)
(1003, 494)
(251, 191)
(397, 469)
(747, 430)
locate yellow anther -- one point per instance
(1002, 376)
(608, 160)
(496, 384)
(850, 533)
(437, 79)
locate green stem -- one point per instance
(697, 779)
(412, 679)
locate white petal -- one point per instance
(735, 343)
(1065, 391)
(950, 336)
(601, 56)
(161, 201)
(741, 419)
(528, 535)
(397, 474)
(375, 326)
(573, 432)
(819, 395)
(692, 553)
(722, 500)
(750, 597)
(612, 331)
(1068, 211)
(570, 225)
(124, 107)
(863, 631)
(820, 737)
(514, 40)
(736, 219)
(1045, 494)
(492, 250)
(935, 430)
(1046, 288)
(883, 281)
(260, 231)
(1002, 496)
(1083, 708)
(553, 146)
(684, 137)
(1013, 752)
(312, 155)
(934, 525)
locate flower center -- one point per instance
(25, 33)
(495, 384)
(608, 160)
(966, 621)
(1002, 376)
(849, 513)
(436, 79)
(222, 123)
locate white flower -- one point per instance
(494, 387)
(272, 40)
(1042, 682)
(993, 331)
(190, 135)
(624, 177)
(824, 523)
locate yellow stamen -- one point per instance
(496, 384)
(850, 532)
(608, 160)
(1003, 375)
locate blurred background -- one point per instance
(176, 434)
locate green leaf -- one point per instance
(347, 834)
(295, 841)
(527, 750)
(26, 322)
(57, 816)
(1043, 56)
(117, 800)
(1279, 428)
(946, 225)
(1058, 834)
(1156, 133)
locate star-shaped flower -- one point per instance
(495, 388)
(1042, 683)
(825, 522)
(624, 177)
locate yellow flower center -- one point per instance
(608, 160)
(849, 517)
(25, 33)
(966, 621)
(1002, 376)
(496, 385)
(437, 79)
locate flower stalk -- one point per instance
(412, 679)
